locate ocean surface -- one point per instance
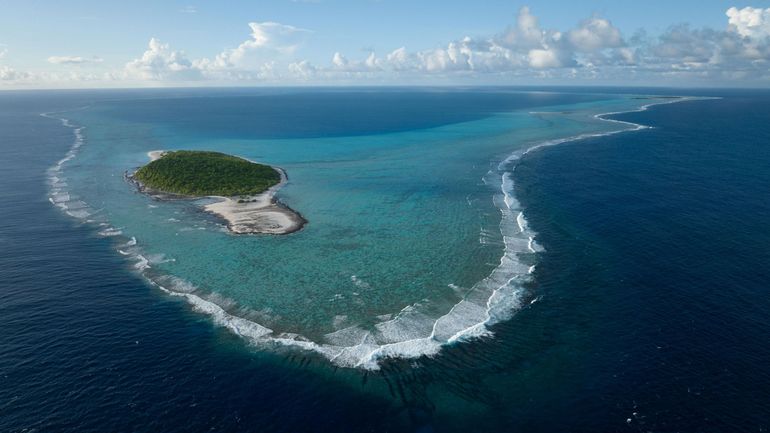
(476, 259)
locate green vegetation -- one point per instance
(200, 173)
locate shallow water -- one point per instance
(414, 238)
(646, 309)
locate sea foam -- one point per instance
(414, 331)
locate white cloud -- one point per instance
(400, 60)
(741, 51)
(276, 36)
(682, 44)
(340, 68)
(303, 70)
(595, 34)
(524, 46)
(626, 55)
(9, 74)
(268, 40)
(189, 9)
(593, 49)
(749, 22)
(160, 63)
(264, 56)
(339, 61)
(526, 34)
(542, 59)
(73, 60)
(455, 57)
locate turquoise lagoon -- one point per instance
(415, 239)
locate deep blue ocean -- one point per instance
(647, 309)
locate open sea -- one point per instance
(475, 260)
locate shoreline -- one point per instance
(367, 355)
(248, 214)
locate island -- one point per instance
(245, 189)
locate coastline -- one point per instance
(493, 299)
(156, 154)
(253, 214)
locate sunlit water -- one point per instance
(415, 237)
(646, 309)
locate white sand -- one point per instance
(257, 214)
(156, 154)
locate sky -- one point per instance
(95, 44)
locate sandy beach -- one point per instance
(155, 154)
(260, 213)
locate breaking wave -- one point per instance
(414, 331)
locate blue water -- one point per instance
(644, 310)
(342, 287)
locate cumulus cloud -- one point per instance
(595, 48)
(9, 74)
(749, 22)
(544, 58)
(595, 34)
(504, 52)
(741, 51)
(398, 59)
(73, 60)
(268, 40)
(303, 70)
(526, 34)
(257, 58)
(591, 49)
(523, 46)
(159, 62)
(341, 63)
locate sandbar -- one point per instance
(244, 214)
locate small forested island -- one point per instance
(201, 173)
(246, 188)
